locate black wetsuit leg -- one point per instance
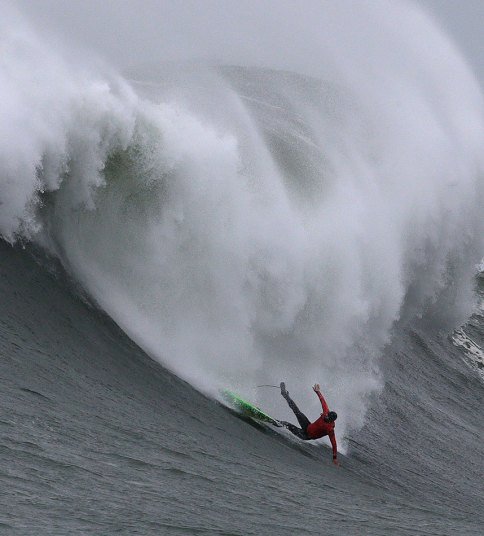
(295, 430)
(302, 419)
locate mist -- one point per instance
(174, 203)
(268, 33)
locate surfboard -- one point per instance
(246, 408)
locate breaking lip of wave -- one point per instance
(250, 225)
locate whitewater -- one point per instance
(186, 226)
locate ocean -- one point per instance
(185, 227)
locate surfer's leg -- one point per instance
(301, 418)
(295, 430)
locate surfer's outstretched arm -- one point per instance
(324, 405)
(332, 438)
(327, 423)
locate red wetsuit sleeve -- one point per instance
(323, 403)
(332, 438)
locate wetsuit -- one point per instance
(311, 430)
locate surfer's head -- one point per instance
(331, 416)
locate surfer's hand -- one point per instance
(336, 462)
(316, 388)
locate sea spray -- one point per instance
(263, 225)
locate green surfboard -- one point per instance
(246, 408)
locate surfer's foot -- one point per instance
(284, 392)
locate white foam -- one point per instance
(473, 353)
(192, 239)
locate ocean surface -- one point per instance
(97, 438)
(191, 226)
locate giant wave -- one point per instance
(245, 224)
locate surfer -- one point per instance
(312, 430)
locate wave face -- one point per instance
(245, 225)
(123, 446)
